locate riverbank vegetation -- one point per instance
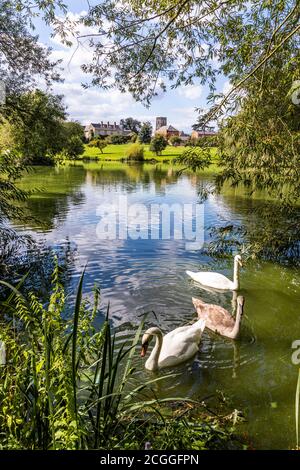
(118, 153)
(135, 152)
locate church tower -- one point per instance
(160, 122)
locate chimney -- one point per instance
(115, 124)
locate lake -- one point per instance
(255, 373)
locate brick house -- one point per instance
(103, 129)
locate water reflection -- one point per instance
(54, 193)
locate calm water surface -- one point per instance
(255, 372)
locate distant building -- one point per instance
(167, 131)
(160, 122)
(205, 132)
(103, 129)
(184, 137)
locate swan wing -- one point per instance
(216, 317)
(181, 344)
(185, 333)
(186, 353)
(217, 280)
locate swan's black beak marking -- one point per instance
(144, 349)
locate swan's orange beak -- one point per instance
(144, 349)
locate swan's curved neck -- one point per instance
(237, 324)
(236, 277)
(152, 362)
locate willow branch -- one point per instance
(260, 64)
(132, 23)
(275, 31)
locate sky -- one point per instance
(95, 105)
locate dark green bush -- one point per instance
(158, 144)
(118, 139)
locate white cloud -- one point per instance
(91, 104)
(184, 118)
(191, 92)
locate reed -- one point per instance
(297, 401)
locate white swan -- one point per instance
(175, 347)
(218, 281)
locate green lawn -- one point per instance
(118, 152)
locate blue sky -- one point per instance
(94, 104)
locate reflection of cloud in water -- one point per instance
(133, 275)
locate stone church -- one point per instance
(162, 128)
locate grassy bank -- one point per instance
(136, 170)
(65, 385)
(118, 152)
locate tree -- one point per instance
(74, 147)
(240, 34)
(39, 132)
(175, 140)
(260, 145)
(194, 157)
(158, 144)
(119, 139)
(145, 133)
(73, 128)
(11, 169)
(73, 139)
(37, 119)
(131, 124)
(23, 58)
(7, 141)
(99, 143)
